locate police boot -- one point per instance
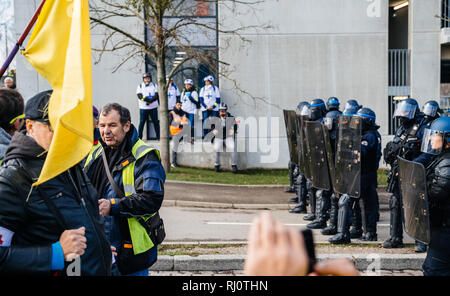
(297, 188)
(312, 203)
(420, 247)
(356, 230)
(396, 231)
(293, 200)
(370, 236)
(321, 219)
(298, 209)
(291, 188)
(344, 215)
(332, 228)
(301, 196)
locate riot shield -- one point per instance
(303, 155)
(320, 173)
(412, 178)
(347, 168)
(289, 120)
(330, 156)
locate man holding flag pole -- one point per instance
(49, 213)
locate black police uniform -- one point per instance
(406, 143)
(370, 159)
(437, 262)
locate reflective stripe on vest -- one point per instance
(139, 237)
(177, 118)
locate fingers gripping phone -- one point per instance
(309, 244)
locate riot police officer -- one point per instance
(437, 142)
(332, 104)
(298, 176)
(331, 122)
(351, 108)
(321, 198)
(406, 144)
(293, 174)
(370, 159)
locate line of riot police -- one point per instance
(334, 161)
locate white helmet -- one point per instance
(208, 78)
(189, 81)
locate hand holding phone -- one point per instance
(275, 250)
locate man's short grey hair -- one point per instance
(123, 112)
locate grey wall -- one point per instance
(316, 49)
(424, 42)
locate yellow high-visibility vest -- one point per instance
(139, 237)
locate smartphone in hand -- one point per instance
(309, 244)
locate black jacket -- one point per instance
(24, 212)
(438, 183)
(223, 126)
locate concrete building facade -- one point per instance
(368, 50)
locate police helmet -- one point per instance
(353, 104)
(333, 104)
(368, 117)
(437, 137)
(300, 107)
(430, 108)
(350, 111)
(189, 81)
(317, 108)
(330, 120)
(407, 108)
(305, 111)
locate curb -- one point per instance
(218, 205)
(383, 187)
(363, 262)
(238, 206)
(228, 185)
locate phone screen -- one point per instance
(309, 244)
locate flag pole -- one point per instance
(21, 40)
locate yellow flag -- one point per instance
(60, 50)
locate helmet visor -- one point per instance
(432, 142)
(405, 109)
(328, 122)
(305, 111)
(430, 110)
(350, 106)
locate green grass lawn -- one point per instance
(245, 177)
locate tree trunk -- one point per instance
(163, 110)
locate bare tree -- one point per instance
(180, 24)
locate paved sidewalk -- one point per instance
(208, 195)
(406, 263)
(241, 273)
